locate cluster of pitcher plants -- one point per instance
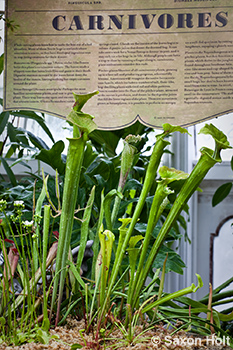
(117, 291)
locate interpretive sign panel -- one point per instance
(155, 61)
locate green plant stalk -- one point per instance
(94, 297)
(5, 285)
(45, 324)
(217, 297)
(86, 299)
(159, 196)
(23, 258)
(107, 207)
(51, 256)
(209, 313)
(95, 246)
(35, 242)
(73, 168)
(116, 206)
(205, 163)
(160, 200)
(82, 126)
(106, 241)
(187, 290)
(76, 274)
(149, 179)
(84, 229)
(123, 231)
(32, 295)
(133, 255)
(222, 286)
(161, 286)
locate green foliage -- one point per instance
(53, 157)
(102, 190)
(223, 191)
(17, 136)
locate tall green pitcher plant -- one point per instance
(83, 124)
(207, 160)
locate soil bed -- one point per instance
(69, 335)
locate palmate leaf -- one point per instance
(174, 262)
(53, 157)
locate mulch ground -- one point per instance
(156, 338)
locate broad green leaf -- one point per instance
(12, 133)
(99, 166)
(89, 155)
(53, 157)
(218, 135)
(37, 141)
(4, 116)
(80, 100)
(174, 261)
(10, 152)
(221, 193)
(133, 184)
(32, 115)
(22, 138)
(9, 172)
(232, 163)
(108, 140)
